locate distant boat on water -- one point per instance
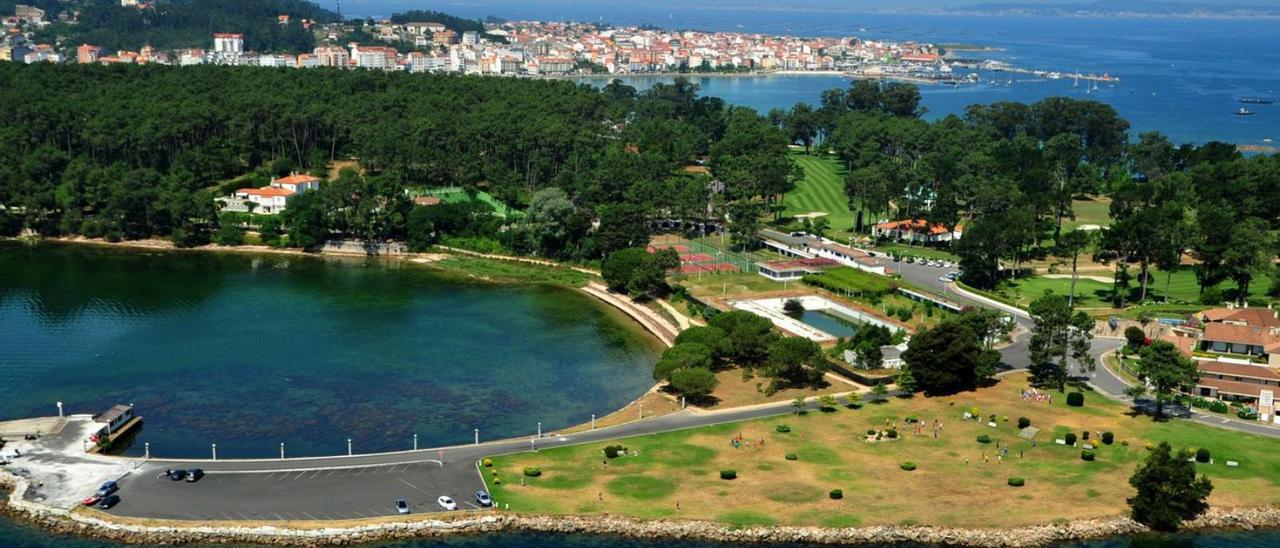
(1244, 112)
(1257, 100)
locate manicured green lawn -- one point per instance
(822, 189)
(959, 482)
(1182, 288)
(1095, 211)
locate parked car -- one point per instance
(194, 475)
(482, 498)
(447, 503)
(109, 501)
(90, 501)
(177, 475)
(107, 488)
(402, 507)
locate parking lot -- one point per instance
(299, 493)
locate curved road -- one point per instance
(361, 486)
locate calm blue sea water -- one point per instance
(252, 351)
(1181, 77)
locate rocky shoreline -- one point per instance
(61, 521)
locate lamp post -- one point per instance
(593, 421)
(348, 447)
(215, 451)
(59, 409)
(281, 450)
(539, 430)
(477, 438)
(415, 442)
(146, 450)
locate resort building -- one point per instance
(916, 231)
(891, 357)
(114, 418)
(805, 246)
(1237, 351)
(794, 269)
(271, 199)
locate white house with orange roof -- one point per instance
(916, 230)
(270, 199)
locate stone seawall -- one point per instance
(64, 521)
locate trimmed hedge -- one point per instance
(792, 456)
(1108, 438)
(1070, 438)
(728, 474)
(1023, 422)
(1202, 455)
(908, 466)
(782, 428)
(612, 451)
(984, 438)
(488, 463)
(836, 494)
(1017, 482)
(1075, 399)
(532, 471)
(1087, 455)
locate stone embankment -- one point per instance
(318, 533)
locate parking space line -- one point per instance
(225, 515)
(330, 473)
(471, 504)
(309, 516)
(317, 473)
(242, 516)
(277, 514)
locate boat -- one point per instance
(1244, 112)
(1256, 101)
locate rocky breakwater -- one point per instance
(317, 533)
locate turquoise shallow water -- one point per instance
(251, 351)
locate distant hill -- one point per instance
(172, 24)
(1143, 7)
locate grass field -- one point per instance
(1094, 211)
(821, 190)
(958, 481)
(1096, 294)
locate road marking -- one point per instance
(300, 474)
(278, 516)
(411, 485)
(242, 516)
(309, 516)
(225, 515)
(317, 473)
(471, 504)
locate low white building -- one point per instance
(272, 199)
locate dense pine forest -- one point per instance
(140, 151)
(174, 24)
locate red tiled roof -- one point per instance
(1255, 317)
(266, 191)
(1185, 345)
(1239, 370)
(914, 225)
(297, 179)
(1237, 388)
(1242, 334)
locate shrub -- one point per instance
(892, 434)
(1247, 414)
(532, 471)
(728, 474)
(854, 405)
(1017, 482)
(1202, 455)
(836, 494)
(792, 456)
(1219, 407)
(984, 438)
(1075, 399)
(1071, 438)
(1023, 422)
(871, 432)
(782, 428)
(612, 451)
(1135, 337)
(1124, 443)
(793, 306)
(1108, 438)
(1087, 455)
(488, 463)
(911, 419)
(497, 481)
(908, 466)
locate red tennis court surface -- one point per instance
(678, 248)
(696, 258)
(707, 268)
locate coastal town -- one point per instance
(532, 48)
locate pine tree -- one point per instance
(1168, 490)
(906, 381)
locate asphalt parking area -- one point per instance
(299, 494)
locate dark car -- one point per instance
(482, 498)
(107, 502)
(177, 475)
(194, 475)
(107, 488)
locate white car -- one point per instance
(402, 507)
(447, 503)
